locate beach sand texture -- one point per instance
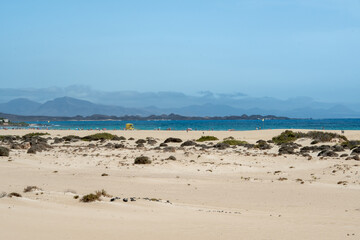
(235, 193)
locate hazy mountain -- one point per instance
(65, 106)
(86, 101)
(20, 105)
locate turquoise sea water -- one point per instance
(216, 125)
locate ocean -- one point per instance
(215, 125)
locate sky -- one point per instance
(275, 48)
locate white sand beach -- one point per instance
(206, 193)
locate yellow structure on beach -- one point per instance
(129, 126)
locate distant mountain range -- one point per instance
(85, 101)
(98, 117)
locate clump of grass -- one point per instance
(207, 138)
(234, 142)
(351, 144)
(35, 134)
(324, 136)
(70, 137)
(4, 137)
(14, 194)
(142, 160)
(286, 137)
(290, 136)
(31, 188)
(102, 193)
(229, 138)
(99, 136)
(92, 197)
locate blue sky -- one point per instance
(277, 48)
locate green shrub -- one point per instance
(351, 144)
(142, 160)
(70, 137)
(94, 197)
(324, 136)
(207, 138)
(90, 198)
(99, 136)
(30, 135)
(234, 142)
(290, 136)
(286, 137)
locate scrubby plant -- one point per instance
(92, 197)
(102, 193)
(31, 188)
(99, 136)
(35, 134)
(207, 138)
(351, 144)
(70, 137)
(324, 136)
(142, 160)
(4, 137)
(234, 142)
(229, 138)
(14, 194)
(4, 151)
(290, 136)
(286, 137)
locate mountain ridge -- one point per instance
(69, 106)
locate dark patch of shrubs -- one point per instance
(140, 141)
(31, 188)
(4, 151)
(351, 144)
(233, 142)
(171, 158)
(188, 143)
(207, 138)
(70, 138)
(99, 136)
(94, 197)
(142, 160)
(173, 140)
(36, 134)
(14, 194)
(290, 136)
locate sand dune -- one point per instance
(235, 193)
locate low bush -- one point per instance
(286, 137)
(290, 136)
(351, 144)
(30, 135)
(142, 160)
(31, 188)
(99, 136)
(70, 137)
(4, 151)
(92, 197)
(207, 138)
(14, 194)
(234, 142)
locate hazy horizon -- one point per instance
(51, 101)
